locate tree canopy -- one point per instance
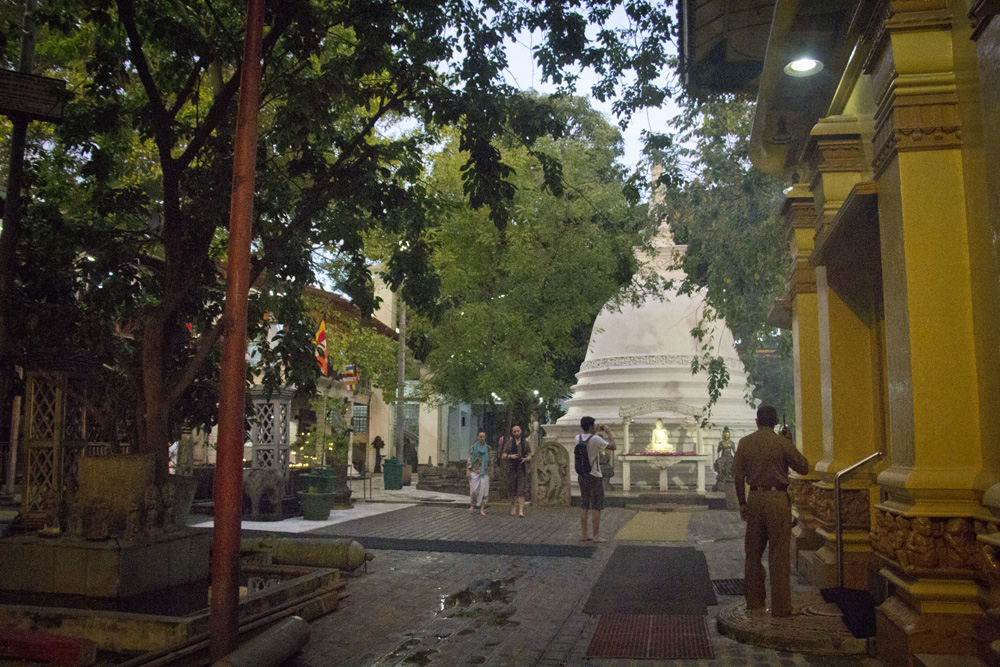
(123, 243)
(517, 305)
(726, 212)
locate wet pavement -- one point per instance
(443, 608)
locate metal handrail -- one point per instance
(836, 510)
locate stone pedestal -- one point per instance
(105, 569)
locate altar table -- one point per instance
(664, 462)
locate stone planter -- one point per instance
(316, 506)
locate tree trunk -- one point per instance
(154, 434)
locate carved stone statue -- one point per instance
(658, 442)
(76, 514)
(724, 463)
(550, 475)
(264, 488)
(960, 544)
(169, 512)
(133, 522)
(152, 503)
(50, 506)
(98, 522)
(921, 550)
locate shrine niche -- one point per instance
(550, 476)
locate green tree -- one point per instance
(726, 212)
(126, 227)
(517, 305)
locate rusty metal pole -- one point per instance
(232, 386)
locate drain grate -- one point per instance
(645, 636)
(729, 586)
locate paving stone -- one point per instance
(394, 613)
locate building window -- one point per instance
(359, 419)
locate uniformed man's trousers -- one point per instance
(769, 524)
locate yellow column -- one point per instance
(849, 360)
(799, 213)
(940, 335)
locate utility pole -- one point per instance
(224, 619)
(400, 377)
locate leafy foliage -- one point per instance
(517, 304)
(126, 236)
(726, 213)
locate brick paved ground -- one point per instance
(400, 613)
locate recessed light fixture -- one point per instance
(803, 67)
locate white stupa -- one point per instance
(638, 370)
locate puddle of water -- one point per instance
(484, 590)
(420, 658)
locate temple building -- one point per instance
(637, 372)
(884, 116)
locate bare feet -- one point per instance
(599, 539)
(472, 508)
(513, 511)
(520, 516)
(482, 510)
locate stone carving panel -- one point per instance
(648, 360)
(550, 478)
(943, 545)
(854, 507)
(801, 492)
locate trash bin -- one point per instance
(392, 475)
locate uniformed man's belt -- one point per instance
(779, 487)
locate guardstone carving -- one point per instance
(550, 478)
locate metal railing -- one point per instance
(836, 510)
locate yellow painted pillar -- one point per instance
(940, 333)
(849, 364)
(799, 213)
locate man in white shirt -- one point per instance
(592, 483)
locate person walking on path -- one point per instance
(592, 482)
(517, 452)
(478, 473)
(762, 460)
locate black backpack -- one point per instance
(581, 459)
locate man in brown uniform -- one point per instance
(762, 461)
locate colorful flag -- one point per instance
(350, 377)
(321, 357)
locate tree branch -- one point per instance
(203, 348)
(161, 123)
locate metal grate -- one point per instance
(646, 636)
(729, 586)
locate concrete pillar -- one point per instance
(940, 306)
(849, 348)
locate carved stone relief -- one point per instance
(941, 545)
(646, 360)
(550, 475)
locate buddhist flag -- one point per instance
(350, 378)
(321, 357)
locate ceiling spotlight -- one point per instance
(803, 67)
